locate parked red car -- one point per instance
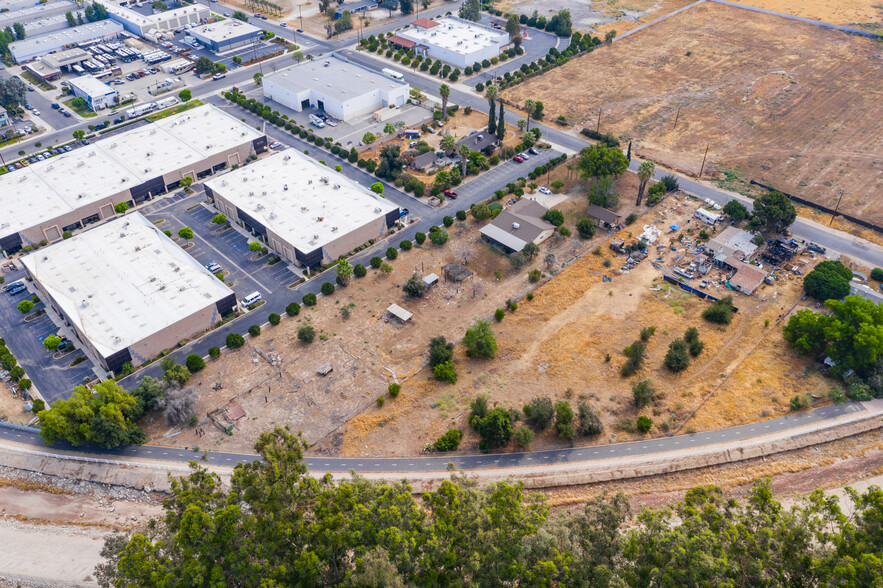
(518, 159)
(451, 194)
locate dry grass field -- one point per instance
(785, 103)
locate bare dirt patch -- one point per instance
(833, 11)
(598, 15)
(782, 102)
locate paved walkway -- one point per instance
(422, 464)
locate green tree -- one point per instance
(149, 393)
(471, 10)
(19, 31)
(174, 373)
(344, 23)
(554, 216)
(677, 359)
(721, 312)
(564, 420)
(586, 228)
(479, 340)
(530, 107)
(444, 91)
(159, 6)
(391, 162)
(828, 280)
(344, 272)
(852, 334)
(234, 341)
(185, 233)
(450, 441)
(481, 212)
(539, 412)
(406, 6)
(774, 211)
(105, 415)
(439, 237)
(735, 210)
(494, 428)
(79, 134)
(194, 362)
(185, 95)
(306, 334)
(598, 161)
(71, 21)
(448, 143)
(513, 27)
(440, 351)
(645, 173)
(220, 219)
(205, 65)
(186, 182)
(491, 92)
(377, 188)
(25, 306)
(415, 286)
(121, 208)
(561, 24)
(52, 342)
(13, 93)
(240, 15)
(501, 123)
(445, 372)
(644, 424)
(643, 393)
(589, 421)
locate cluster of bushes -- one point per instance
(546, 167)
(635, 354)
(579, 44)
(677, 359)
(540, 413)
(379, 45)
(721, 312)
(605, 138)
(10, 364)
(667, 184)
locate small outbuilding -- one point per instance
(424, 161)
(606, 218)
(430, 281)
(455, 272)
(399, 313)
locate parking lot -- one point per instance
(54, 378)
(226, 247)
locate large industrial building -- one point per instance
(226, 35)
(69, 191)
(96, 93)
(142, 24)
(342, 89)
(307, 213)
(35, 12)
(127, 291)
(454, 40)
(32, 47)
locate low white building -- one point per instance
(306, 212)
(226, 35)
(34, 12)
(32, 47)
(127, 291)
(168, 20)
(342, 89)
(76, 189)
(96, 93)
(454, 40)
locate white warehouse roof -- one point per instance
(91, 86)
(123, 281)
(72, 180)
(304, 202)
(334, 77)
(225, 30)
(457, 35)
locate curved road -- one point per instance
(421, 464)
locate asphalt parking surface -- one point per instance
(54, 378)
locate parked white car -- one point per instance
(544, 190)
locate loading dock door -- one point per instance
(53, 234)
(305, 104)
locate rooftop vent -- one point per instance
(333, 229)
(285, 188)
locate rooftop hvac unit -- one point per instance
(315, 236)
(79, 196)
(333, 229)
(260, 206)
(337, 186)
(81, 163)
(303, 209)
(516, 226)
(137, 247)
(285, 188)
(377, 210)
(153, 279)
(122, 235)
(286, 158)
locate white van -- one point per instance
(252, 298)
(317, 122)
(392, 74)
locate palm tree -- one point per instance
(464, 159)
(491, 92)
(529, 107)
(521, 124)
(645, 172)
(445, 92)
(448, 143)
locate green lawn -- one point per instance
(85, 112)
(43, 85)
(174, 110)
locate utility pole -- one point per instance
(598, 127)
(835, 209)
(301, 15)
(701, 169)
(677, 116)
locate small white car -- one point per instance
(544, 190)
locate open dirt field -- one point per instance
(556, 345)
(598, 15)
(834, 11)
(782, 102)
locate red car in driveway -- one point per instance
(518, 159)
(451, 194)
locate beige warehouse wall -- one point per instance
(168, 338)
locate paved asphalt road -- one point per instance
(413, 464)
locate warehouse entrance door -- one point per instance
(321, 105)
(305, 104)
